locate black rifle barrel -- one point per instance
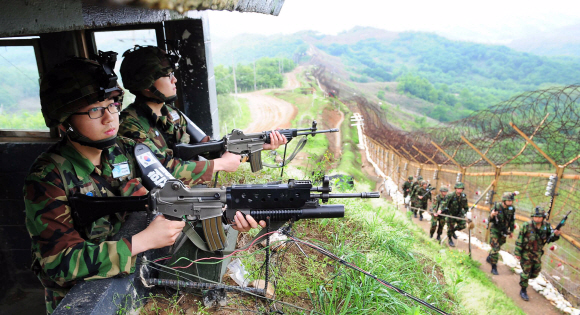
(324, 211)
(315, 132)
(363, 195)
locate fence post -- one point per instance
(559, 168)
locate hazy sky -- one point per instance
(489, 21)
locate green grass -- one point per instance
(233, 113)
(23, 120)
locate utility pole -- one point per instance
(255, 88)
(235, 83)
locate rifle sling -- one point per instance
(299, 147)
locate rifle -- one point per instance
(559, 226)
(428, 190)
(248, 145)
(273, 202)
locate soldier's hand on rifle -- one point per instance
(511, 235)
(229, 162)
(518, 258)
(244, 224)
(276, 140)
(160, 233)
(493, 213)
(557, 232)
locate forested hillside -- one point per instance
(458, 77)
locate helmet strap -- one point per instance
(161, 96)
(76, 136)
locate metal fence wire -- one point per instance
(517, 145)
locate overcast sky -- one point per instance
(489, 21)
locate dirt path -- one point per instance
(269, 112)
(507, 281)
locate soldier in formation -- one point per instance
(503, 222)
(533, 236)
(420, 198)
(407, 189)
(90, 159)
(455, 205)
(437, 220)
(414, 185)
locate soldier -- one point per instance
(414, 185)
(421, 197)
(407, 189)
(455, 205)
(80, 97)
(148, 72)
(437, 219)
(503, 220)
(533, 236)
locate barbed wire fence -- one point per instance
(517, 145)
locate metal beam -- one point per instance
(530, 141)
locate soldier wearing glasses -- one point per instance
(82, 98)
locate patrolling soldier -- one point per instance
(529, 247)
(456, 205)
(407, 190)
(82, 98)
(407, 187)
(503, 220)
(421, 197)
(438, 221)
(414, 185)
(148, 72)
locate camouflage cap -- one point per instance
(539, 212)
(443, 189)
(507, 196)
(459, 185)
(69, 86)
(411, 177)
(143, 65)
(423, 182)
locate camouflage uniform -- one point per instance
(529, 248)
(456, 206)
(141, 67)
(437, 220)
(502, 225)
(417, 203)
(160, 134)
(407, 187)
(62, 254)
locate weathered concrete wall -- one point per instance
(197, 91)
(32, 17)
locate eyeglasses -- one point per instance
(170, 75)
(98, 112)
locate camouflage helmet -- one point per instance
(143, 65)
(459, 185)
(507, 196)
(539, 212)
(410, 177)
(420, 178)
(75, 83)
(423, 182)
(443, 189)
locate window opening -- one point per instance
(119, 42)
(19, 89)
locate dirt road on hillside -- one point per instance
(507, 281)
(269, 112)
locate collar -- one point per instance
(147, 112)
(84, 168)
